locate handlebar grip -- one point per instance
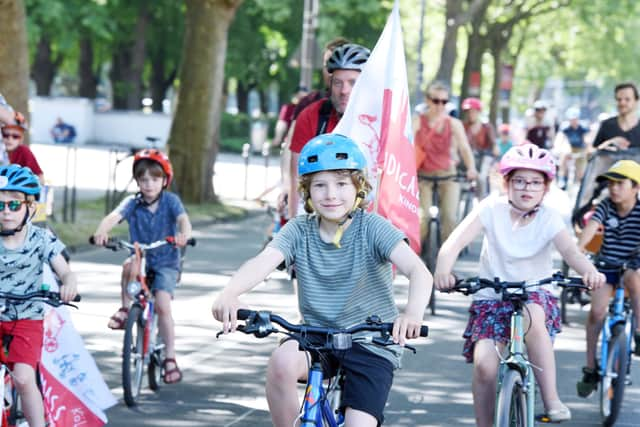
(191, 241)
(424, 331)
(92, 241)
(77, 298)
(243, 313)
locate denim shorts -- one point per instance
(165, 279)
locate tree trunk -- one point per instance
(473, 63)
(128, 64)
(157, 81)
(449, 52)
(14, 54)
(88, 80)
(195, 129)
(242, 98)
(496, 52)
(44, 66)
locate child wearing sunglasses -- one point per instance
(19, 153)
(24, 249)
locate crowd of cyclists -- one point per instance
(343, 254)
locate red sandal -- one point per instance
(173, 375)
(119, 319)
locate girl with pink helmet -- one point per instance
(519, 232)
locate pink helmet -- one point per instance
(472, 104)
(528, 156)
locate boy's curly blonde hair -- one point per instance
(360, 181)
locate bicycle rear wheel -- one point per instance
(511, 409)
(133, 356)
(613, 378)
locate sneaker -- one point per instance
(589, 382)
(559, 414)
(636, 338)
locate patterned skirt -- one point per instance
(491, 319)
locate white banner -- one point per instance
(75, 393)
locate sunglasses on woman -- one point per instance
(13, 205)
(438, 101)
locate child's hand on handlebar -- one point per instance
(99, 239)
(69, 288)
(594, 279)
(444, 281)
(406, 326)
(181, 240)
(225, 310)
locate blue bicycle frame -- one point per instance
(316, 406)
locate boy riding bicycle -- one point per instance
(620, 215)
(152, 214)
(24, 250)
(342, 257)
(519, 231)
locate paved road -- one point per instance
(223, 378)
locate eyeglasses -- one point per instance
(11, 135)
(522, 184)
(13, 205)
(438, 101)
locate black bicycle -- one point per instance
(433, 241)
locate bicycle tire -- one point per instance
(157, 357)
(612, 383)
(511, 409)
(132, 357)
(431, 258)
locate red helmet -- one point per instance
(472, 104)
(158, 157)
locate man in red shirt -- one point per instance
(322, 116)
(20, 154)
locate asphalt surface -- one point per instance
(223, 381)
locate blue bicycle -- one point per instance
(321, 407)
(616, 342)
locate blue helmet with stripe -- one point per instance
(328, 152)
(19, 178)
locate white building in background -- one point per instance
(122, 128)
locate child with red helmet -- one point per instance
(518, 234)
(153, 214)
(19, 153)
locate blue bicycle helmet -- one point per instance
(19, 178)
(330, 151)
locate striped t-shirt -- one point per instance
(341, 287)
(621, 235)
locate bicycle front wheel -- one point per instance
(613, 378)
(433, 244)
(511, 409)
(133, 356)
(157, 357)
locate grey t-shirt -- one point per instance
(341, 287)
(22, 271)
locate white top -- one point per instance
(514, 252)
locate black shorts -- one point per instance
(367, 379)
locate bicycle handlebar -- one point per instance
(116, 244)
(472, 285)
(459, 178)
(259, 324)
(49, 297)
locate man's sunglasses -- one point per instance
(438, 101)
(14, 205)
(11, 135)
